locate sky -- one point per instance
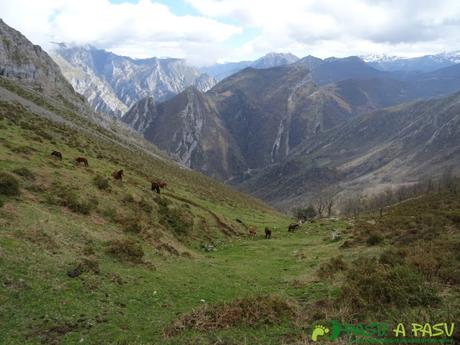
(209, 31)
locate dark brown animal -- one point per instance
(268, 233)
(157, 185)
(292, 227)
(118, 175)
(252, 231)
(82, 160)
(57, 154)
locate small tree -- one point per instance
(305, 213)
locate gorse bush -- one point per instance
(9, 185)
(371, 286)
(178, 219)
(69, 199)
(101, 182)
(329, 268)
(374, 239)
(125, 250)
(24, 172)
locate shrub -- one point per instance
(125, 250)
(24, 172)
(371, 286)
(9, 185)
(70, 199)
(250, 311)
(145, 206)
(132, 225)
(128, 198)
(305, 213)
(374, 239)
(180, 220)
(89, 264)
(329, 268)
(23, 149)
(392, 257)
(101, 182)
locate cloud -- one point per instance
(141, 29)
(219, 29)
(336, 27)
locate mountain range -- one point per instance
(113, 83)
(253, 128)
(426, 63)
(282, 128)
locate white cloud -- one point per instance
(318, 27)
(143, 29)
(337, 27)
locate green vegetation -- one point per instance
(101, 182)
(110, 262)
(9, 185)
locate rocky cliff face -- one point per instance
(32, 66)
(188, 126)
(113, 83)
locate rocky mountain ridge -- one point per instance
(113, 83)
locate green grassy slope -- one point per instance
(144, 277)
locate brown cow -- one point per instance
(157, 185)
(293, 226)
(82, 160)
(268, 233)
(252, 231)
(57, 154)
(118, 175)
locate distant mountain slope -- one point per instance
(113, 83)
(223, 70)
(189, 127)
(371, 151)
(259, 116)
(336, 69)
(427, 63)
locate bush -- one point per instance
(23, 149)
(305, 213)
(125, 250)
(250, 312)
(89, 264)
(70, 199)
(132, 225)
(372, 286)
(101, 182)
(374, 239)
(392, 257)
(9, 185)
(329, 268)
(24, 172)
(180, 220)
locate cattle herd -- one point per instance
(117, 175)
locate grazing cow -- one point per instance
(118, 175)
(57, 154)
(157, 185)
(292, 227)
(268, 233)
(252, 231)
(82, 160)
